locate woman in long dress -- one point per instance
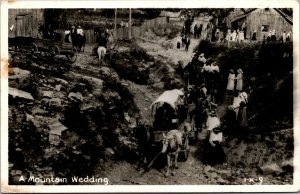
(230, 83)
(239, 83)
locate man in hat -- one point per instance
(73, 33)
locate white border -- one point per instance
(6, 4)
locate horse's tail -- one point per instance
(101, 53)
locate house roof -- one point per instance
(169, 14)
(247, 11)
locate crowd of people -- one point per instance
(204, 97)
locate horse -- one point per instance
(171, 144)
(144, 136)
(101, 52)
(79, 42)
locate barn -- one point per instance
(24, 22)
(260, 20)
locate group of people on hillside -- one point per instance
(205, 96)
(237, 100)
(235, 35)
(286, 36)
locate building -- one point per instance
(24, 22)
(260, 20)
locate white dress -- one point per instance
(230, 83)
(239, 83)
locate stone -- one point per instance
(271, 169)
(61, 81)
(207, 168)
(56, 131)
(127, 117)
(55, 103)
(51, 81)
(76, 96)
(16, 93)
(109, 153)
(47, 94)
(58, 87)
(19, 78)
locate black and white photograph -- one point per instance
(149, 96)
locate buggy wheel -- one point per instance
(33, 48)
(53, 50)
(72, 56)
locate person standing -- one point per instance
(242, 119)
(230, 82)
(273, 35)
(233, 36)
(283, 37)
(187, 43)
(195, 31)
(254, 35)
(178, 43)
(239, 83)
(228, 35)
(80, 31)
(200, 30)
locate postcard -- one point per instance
(149, 96)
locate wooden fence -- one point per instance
(123, 33)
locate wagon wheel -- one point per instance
(33, 48)
(53, 50)
(72, 56)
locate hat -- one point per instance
(214, 63)
(201, 55)
(244, 95)
(231, 71)
(240, 71)
(73, 26)
(217, 130)
(212, 113)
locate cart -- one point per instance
(52, 48)
(169, 112)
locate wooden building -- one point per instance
(260, 20)
(24, 22)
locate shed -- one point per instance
(260, 20)
(24, 22)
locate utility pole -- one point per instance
(115, 27)
(129, 25)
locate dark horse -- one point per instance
(79, 42)
(144, 136)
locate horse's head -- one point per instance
(216, 137)
(168, 141)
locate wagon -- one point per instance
(53, 47)
(40, 46)
(169, 112)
